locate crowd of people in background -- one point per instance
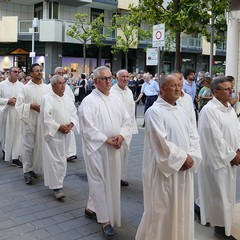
(191, 125)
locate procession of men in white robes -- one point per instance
(106, 119)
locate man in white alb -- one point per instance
(10, 123)
(126, 96)
(58, 117)
(105, 126)
(28, 108)
(171, 156)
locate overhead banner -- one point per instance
(152, 57)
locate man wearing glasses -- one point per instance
(10, 131)
(105, 126)
(220, 143)
(28, 108)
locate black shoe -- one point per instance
(28, 178)
(198, 215)
(17, 163)
(89, 214)
(3, 155)
(33, 174)
(59, 194)
(124, 183)
(73, 157)
(108, 231)
(219, 232)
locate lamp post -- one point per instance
(211, 60)
(34, 25)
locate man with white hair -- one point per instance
(58, 117)
(122, 90)
(151, 89)
(72, 150)
(105, 128)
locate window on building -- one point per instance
(94, 14)
(53, 8)
(38, 10)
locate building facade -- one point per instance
(35, 30)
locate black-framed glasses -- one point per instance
(106, 78)
(38, 71)
(15, 71)
(60, 73)
(225, 89)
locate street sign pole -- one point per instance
(159, 60)
(159, 41)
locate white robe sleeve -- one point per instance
(22, 108)
(212, 139)
(49, 125)
(93, 137)
(169, 156)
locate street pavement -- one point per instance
(30, 212)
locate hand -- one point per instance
(35, 107)
(236, 159)
(187, 164)
(12, 101)
(115, 141)
(65, 129)
(118, 141)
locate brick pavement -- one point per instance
(32, 213)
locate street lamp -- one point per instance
(34, 25)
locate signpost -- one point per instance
(158, 40)
(152, 57)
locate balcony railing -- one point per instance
(113, 2)
(111, 35)
(221, 47)
(24, 27)
(190, 42)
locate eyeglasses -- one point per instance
(60, 73)
(38, 71)
(15, 71)
(225, 89)
(106, 78)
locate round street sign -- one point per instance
(158, 35)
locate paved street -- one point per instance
(31, 212)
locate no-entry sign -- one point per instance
(158, 35)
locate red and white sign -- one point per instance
(158, 35)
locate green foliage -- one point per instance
(83, 30)
(188, 16)
(130, 33)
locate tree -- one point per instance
(188, 16)
(85, 32)
(128, 34)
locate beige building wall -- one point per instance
(206, 47)
(9, 29)
(124, 4)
